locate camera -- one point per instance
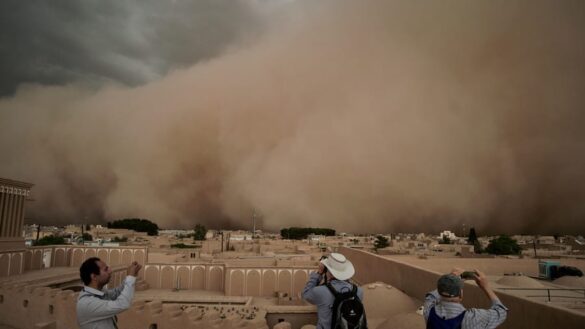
(324, 267)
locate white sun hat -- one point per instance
(339, 266)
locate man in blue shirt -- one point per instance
(443, 308)
(96, 308)
(336, 270)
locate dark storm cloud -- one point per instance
(127, 42)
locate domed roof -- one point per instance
(519, 281)
(383, 301)
(571, 281)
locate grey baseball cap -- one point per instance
(449, 285)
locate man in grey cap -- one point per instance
(443, 308)
(336, 270)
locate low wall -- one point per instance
(11, 263)
(416, 282)
(46, 308)
(16, 262)
(185, 276)
(232, 280)
(266, 281)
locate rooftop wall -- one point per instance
(42, 307)
(36, 258)
(265, 281)
(416, 282)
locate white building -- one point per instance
(448, 234)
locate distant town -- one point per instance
(446, 243)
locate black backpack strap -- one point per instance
(333, 291)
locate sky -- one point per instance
(369, 116)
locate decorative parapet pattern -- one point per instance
(14, 190)
(266, 281)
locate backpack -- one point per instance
(436, 322)
(348, 310)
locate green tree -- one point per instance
(87, 237)
(477, 248)
(200, 231)
(136, 224)
(184, 246)
(472, 238)
(300, 233)
(122, 239)
(50, 240)
(380, 242)
(503, 245)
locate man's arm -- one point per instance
(431, 299)
(91, 308)
(484, 284)
(132, 270)
(308, 292)
(497, 314)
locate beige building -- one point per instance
(13, 195)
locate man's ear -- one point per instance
(93, 276)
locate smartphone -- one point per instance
(468, 275)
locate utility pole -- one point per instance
(221, 233)
(534, 245)
(253, 223)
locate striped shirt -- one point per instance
(473, 318)
(323, 298)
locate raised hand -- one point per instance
(133, 269)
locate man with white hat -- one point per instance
(336, 270)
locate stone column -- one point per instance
(20, 224)
(10, 219)
(17, 215)
(7, 215)
(2, 209)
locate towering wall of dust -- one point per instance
(362, 116)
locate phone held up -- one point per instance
(468, 275)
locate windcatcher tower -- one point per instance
(13, 195)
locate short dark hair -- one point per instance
(88, 268)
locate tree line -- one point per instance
(136, 224)
(299, 233)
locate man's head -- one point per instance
(338, 266)
(450, 286)
(95, 273)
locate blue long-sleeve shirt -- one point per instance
(97, 309)
(323, 298)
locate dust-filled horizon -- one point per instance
(369, 116)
